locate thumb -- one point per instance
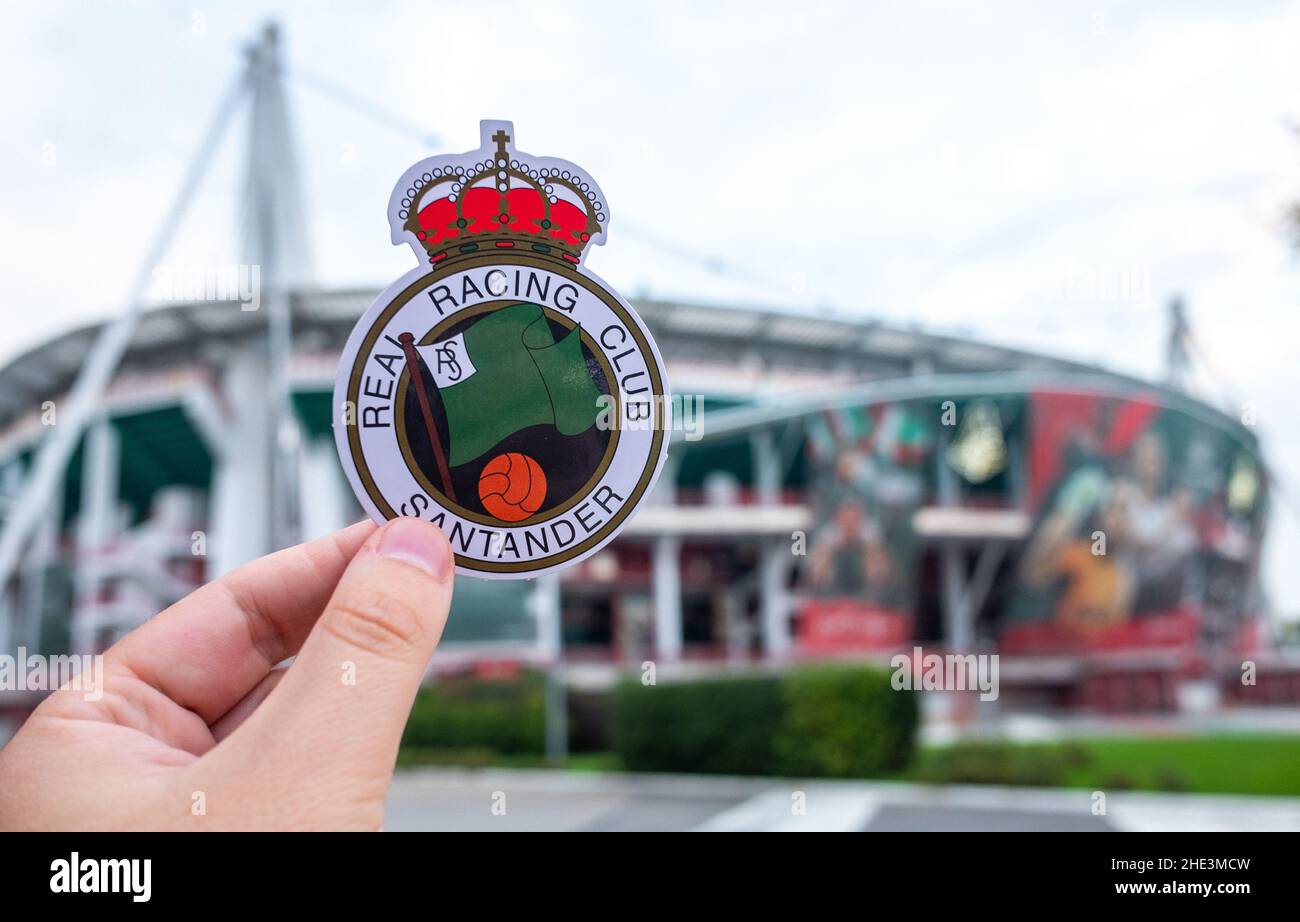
(348, 694)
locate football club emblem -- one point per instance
(502, 390)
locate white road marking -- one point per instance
(824, 808)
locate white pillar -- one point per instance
(241, 483)
(28, 608)
(546, 608)
(666, 552)
(668, 597)
(321, 497)
(774, 555)
(767, 467)
(11, 481)
(774, 560)
(95, 528)
(958, 618)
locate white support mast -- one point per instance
(101, 363)
(275, 240)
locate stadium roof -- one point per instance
(741, 421)
(203, 333)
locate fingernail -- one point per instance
(418, 543)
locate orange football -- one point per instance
(512, 487)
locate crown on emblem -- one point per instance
(498, 198)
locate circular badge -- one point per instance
(505, 392)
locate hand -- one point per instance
(199, 728)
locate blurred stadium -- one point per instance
(836, 490)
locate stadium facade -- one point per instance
(834, 489)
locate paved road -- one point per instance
(500, 800)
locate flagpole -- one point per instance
(417, 379)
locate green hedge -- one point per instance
(845, 722)
(1003, 763)
(719, 726)
(841, 721)
(505, 716)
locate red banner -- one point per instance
(847, 625)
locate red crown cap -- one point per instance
(506, 199)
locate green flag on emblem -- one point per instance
(518, 376)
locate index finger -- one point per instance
(212, 647)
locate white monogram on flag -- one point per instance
(448, 361)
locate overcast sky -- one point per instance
(1034, 174)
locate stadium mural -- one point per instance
(860, 583)
(1146, 532)
(1144, 522)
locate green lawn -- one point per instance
(1221, 764)
(1203, 764)
(1245, 764)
